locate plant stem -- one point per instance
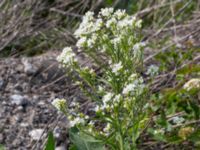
(121, 143)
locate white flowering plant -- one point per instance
(111, 41)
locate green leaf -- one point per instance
(72, 147)
(157, 136)
(50, 145)
(83, 141)
(2, 147)
(195, 136)
(174, 139)
(195, 109)
(189, 69)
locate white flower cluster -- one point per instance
(60, 104)
(192, 84)
(74, 117)
(88, 70)
(139, 45)
(178, 120)
(109, 37)
(152, 70)
(106, 12)
(136, 87)
(67, 57)
(91, 31)
(86, 24)
(109, 101)
(107, 129)
(75, 121)
(105, 105)
(116, 67)
(130, 87)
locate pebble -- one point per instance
(29, 68)
(57, 132)
(17, 99)
(36, 134)
(24, 124)
(60, 148)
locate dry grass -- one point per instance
(34, 26)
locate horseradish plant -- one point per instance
(111, 42)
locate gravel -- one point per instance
(27, 87)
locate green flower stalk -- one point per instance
(112, 42)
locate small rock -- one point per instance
(60, 148)
(36, 134)
(24, 124)
(20, 108)
(17, 99)
(29, 68)
(57, 132)
(41, 103)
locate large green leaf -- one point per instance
(50, 145)
(2, 147)
(83, 141)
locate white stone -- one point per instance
(36, 134)
(28, 67)
(60, 148)
(17, 99)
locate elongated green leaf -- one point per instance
(83, 141)
(50, 145)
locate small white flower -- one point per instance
(138, 24)
(127, 22)
(88, 16)
(81, 42)
(117, 67)
(111, 22)
(86, 26)
(130, 40)
(98, 24)
(139, 45)
(90, 42)
(97, 108)
(116, 41)
(76, 121)
(130, 87)
(106, 98)
(60, 104)
(119, 14)
(133, 76)
(159, 131)
(106, 12)
(178, 120)
(91, 123)
(90, 130)
(152, 70)
(117, 98)
(100, 88)
(107, 128)
(67, 57)
(89, 70)
(74, 104)
(86, 117)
